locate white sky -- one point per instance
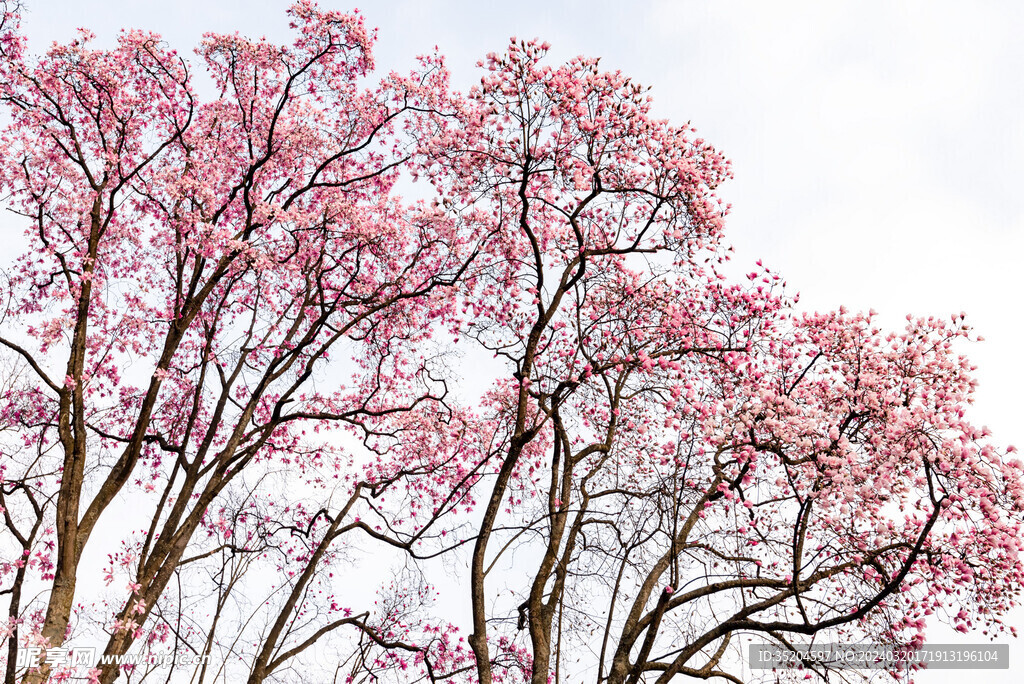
(878, 147)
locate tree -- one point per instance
(226, 319)
(189, 265)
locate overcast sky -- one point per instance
(878, 147)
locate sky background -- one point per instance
(878, 147)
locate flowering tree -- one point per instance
(226, 321)
(684, 459)
(190, 267)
